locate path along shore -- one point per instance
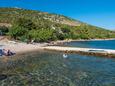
(85, 51)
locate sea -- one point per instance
(49, 68)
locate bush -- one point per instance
(4, 30)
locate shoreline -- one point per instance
(83, 51)
(20, 48)
(95, 39)
(70, 40)
(61, 42)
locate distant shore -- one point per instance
(95, 39)
(71, 40)
(90, 39)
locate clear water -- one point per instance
(45, 68)
(107, 44)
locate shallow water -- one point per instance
(45, 68)
(51, 69)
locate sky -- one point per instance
(96, 12)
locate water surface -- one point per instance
(51, 69)
(107, 44)
(46, 68)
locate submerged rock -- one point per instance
(2, 76)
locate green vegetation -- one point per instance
(44, 27)
(3, 30)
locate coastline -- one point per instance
(95, 39)
(61, 42)
(20, 48)
(70, 40)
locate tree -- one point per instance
(17, 31)
(21, 28)
(25, 23)
(3, 30)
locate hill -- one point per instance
(23, 24)
(7, 15)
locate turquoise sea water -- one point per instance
(107, 44)
(46, 68)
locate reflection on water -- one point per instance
(51, 69)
